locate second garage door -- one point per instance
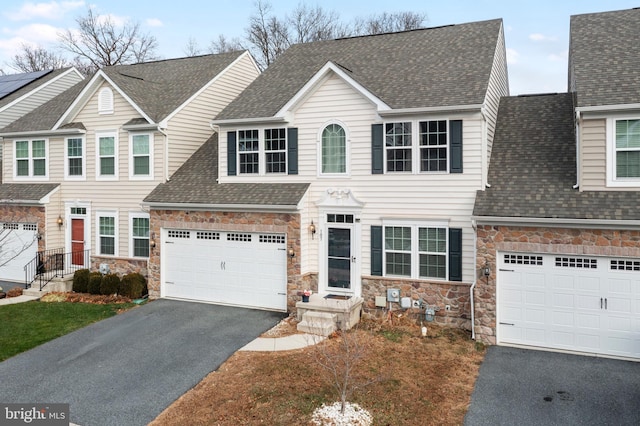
(233, 268)
(569, 302)
(18, 246)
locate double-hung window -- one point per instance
(416, 250)
(139, 234)
(75, 164)
(275, 150)
(398, 143)
(334, 150)
(107, 233)
(262, 151)
(624, 152)
(141, 161)
(433, 146)
(106, 151)
(31, 158)
(249, 151)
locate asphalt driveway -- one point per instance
(126, 369)
(527, 387)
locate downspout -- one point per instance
(166, 154)
(475, 278)
(577, 185)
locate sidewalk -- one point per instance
(286, 343)
(19, 299)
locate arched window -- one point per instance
(105, 101)
(334, 149)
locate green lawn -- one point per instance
(26, 325)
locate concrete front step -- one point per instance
(320, 323)
(57, 285)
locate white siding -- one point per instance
(190, 128)
(593, 159)
(411, 196)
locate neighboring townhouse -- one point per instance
(348, 167)
(77, 168)
(22, 93)
(559, 227)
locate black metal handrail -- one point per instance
(49, 264)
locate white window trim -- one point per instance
(67, 176)
(107, 133)
(30, 158)
(151, 163)
(416, 147)
(113, 214)
(105, 106)
(415, 252)
(612, 180)
(87, 223)
(262, 152)
(133, 215)
(347, 138)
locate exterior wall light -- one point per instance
(291, 253)
(60, 221)
(312, 229)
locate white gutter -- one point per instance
(619, 107)
(222, 207)
(137, 127)
(475, 279)
(44, 133)
(408, 111)
(248, 120)
(578, 174)
(557, 222)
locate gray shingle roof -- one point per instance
(533, 167)
(604, 58)
(29, 192)
(158, 88)
(195, 182)
(422, 68)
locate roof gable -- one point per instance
(432, 67)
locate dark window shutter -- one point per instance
(231, 153)
(292, 150)
(377, 149)
(455, 144)
(376, 250)
(455, 254)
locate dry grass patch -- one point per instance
(411, 380)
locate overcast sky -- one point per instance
(536, 32)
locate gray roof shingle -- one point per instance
(430, 67)
(25, 192)
(533, 167)
(604, 58)
(195, 182)
(158, 88)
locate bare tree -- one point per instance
(312, 24)
(267, 34)
(388, 22)
(223, 45)
(192, 48)
(100, 42)
(31, 59)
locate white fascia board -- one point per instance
(318, 78)
(41, 87)
(44, 133)
(90, 89)
(557, 222)
(431, 110)
(253, 120)
(206, 86)
(608, 108)
(221, 207)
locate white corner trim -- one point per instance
(318, 78)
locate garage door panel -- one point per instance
(19, 247)
(581, 303)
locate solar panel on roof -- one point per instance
(11, 83)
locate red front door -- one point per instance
(77, 241)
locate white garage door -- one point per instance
(570, 302)
(18, 246)
(233, 268)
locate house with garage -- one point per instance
(558, 228)
(77, 168)
(348, 167)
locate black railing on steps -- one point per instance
(49, 264)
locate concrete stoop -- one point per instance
(316, 315)
(56, 285)
(320, 323)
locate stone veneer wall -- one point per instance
(120, 265)
(287, 223)
(434, 293)
(491, 239)
(25, 214)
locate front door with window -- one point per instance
(77, 241)
(340, 250)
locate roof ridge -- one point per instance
(182, 58)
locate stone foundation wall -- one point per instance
(491, 239)
(25, 214)
(120, 265)
(434, 293)
(287, 223)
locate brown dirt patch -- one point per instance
(412, 380)
(84, 298)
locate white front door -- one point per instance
(341, 260)
(571, 302)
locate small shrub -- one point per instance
(81, 281)
(134, 285)
(14, 292)
(95, 279)
(110, 284)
